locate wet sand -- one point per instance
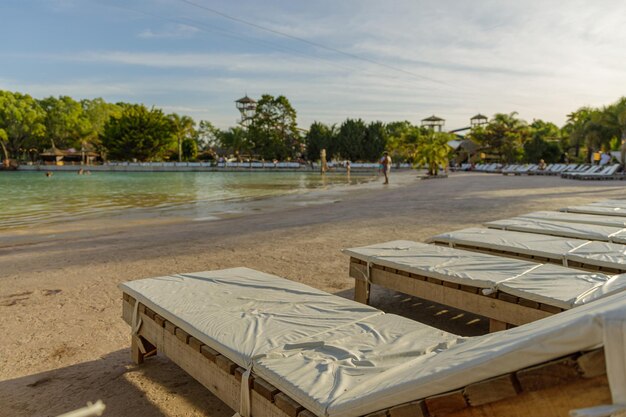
(63, 342)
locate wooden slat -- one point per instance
(443, 404)
(553, 402)
(150, 313)
(170, 327)
(382, 413)
(226, 364)
(412, 409)
(195, 343)
(473, 303)
(592, 364)
(159, 320)
(306, 413)
(361, 291)
(507, 297)
(550, 309)
(182, 335)
(265, 389)
(451, 285)
(496, 325)
(492, 390)
(210, 354)
(548, 374)
(528, 303)
(290, 406)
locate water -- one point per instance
(30, 199)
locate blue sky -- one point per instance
(397, 60)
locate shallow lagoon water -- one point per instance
(30, 199)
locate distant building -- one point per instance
(247, 108)
(84, 156)
(433, 122)
(478, 120)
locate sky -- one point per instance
(333, 59)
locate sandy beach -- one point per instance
(63, 341)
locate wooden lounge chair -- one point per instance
(576, 218)
(582, 254)
(597, 172)
(599, 210)
(269, 347)
(562, 228)
(507, 291)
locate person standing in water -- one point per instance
(385, 161)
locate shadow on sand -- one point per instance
(126, 390)
(446, 318)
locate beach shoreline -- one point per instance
(65, 344)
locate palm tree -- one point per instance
(616, 115)
(433, 151)
(184, 127)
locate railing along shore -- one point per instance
(207, 167)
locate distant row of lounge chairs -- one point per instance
(572, 171)
(270, 347)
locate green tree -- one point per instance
(273, 132)
(616, 119)
(21, 119)
(234, 140)
(65, 122)
(504, 135)
(138, 133)
(207, 135)
(375, 141)
(189, 149)
(574, 129)
(543, 143)
(433, 151)
(97, 112)
(403, 139)
(320, 136)
(351, 137)
(184, 128)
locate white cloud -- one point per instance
(178, 31)
(542, 58)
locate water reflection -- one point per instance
(28, 199)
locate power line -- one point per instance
(306, 41)
(230, 34)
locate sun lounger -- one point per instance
(597, 173)
(588, 255)
(269, 347)
(610, 203)
(589, 170)
(576, 218)
(564, 229)
(598, 210)
(507, 291)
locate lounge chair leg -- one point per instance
(135, 353)
(496, 325)
(361, 291)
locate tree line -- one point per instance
(126, 131)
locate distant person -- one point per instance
(80, 172)
(542, 164)
(564, 158)
(596, 158)
(48, 173)
(348, 167)
(605, 158)
(385, 162)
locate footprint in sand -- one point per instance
(13, 299)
